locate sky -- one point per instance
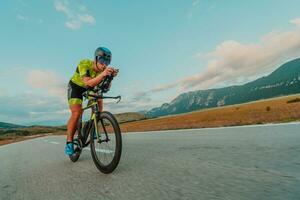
(161, 47)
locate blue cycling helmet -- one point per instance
(103, 55)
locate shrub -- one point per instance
(23, 133)
(293, 100)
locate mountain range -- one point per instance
(284, 80)
(9, 125)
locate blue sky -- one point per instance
(162, 48)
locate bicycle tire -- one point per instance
(77, 143)
(111, 166)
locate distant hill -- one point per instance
(129, 117)
(52, 123)
(283, 81)
(4, 125)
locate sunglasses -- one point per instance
(104, 60)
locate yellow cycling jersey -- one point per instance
(84, 68)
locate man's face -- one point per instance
(101, 66)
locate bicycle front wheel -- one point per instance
(106, 148)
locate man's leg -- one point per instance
(76, 110)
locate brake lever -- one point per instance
(119, 98)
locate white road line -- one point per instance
(102, 151)
(53, 142)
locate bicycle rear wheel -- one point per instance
(77, 143)
(106, 149)
(77, 150)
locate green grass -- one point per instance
(17, 132)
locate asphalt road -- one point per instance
(259, 162)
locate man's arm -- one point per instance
(92, 82)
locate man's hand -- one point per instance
(108, 71)
(115, 73)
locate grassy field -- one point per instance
(18, 134)
(277, 110)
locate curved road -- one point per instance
(252, 162)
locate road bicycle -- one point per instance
(101, 131)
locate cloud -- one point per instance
(137, 101)
(140, 96)
(63, 7)
(3, 92)
(27, 19)
(73, 24)
(23, 13)
(49, 82)
(295, 21)
(190, 13)
(28, 107)
(87, 18)
(164, 87)
(195, 3)
(12, 70)
(144, 95)
(82, 8)
(232, 60)
(44, 99)
(76, 15)
(22, 18)
(140, 100)
(38, 95)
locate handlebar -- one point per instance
(101, 88)
(86, 95)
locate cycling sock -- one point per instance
(69, 142)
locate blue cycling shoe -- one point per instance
(69, 149)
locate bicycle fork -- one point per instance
(96, 117)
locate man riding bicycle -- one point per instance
(88, 74)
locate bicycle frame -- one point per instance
(95, 111)
(93, 104)
(97, 93)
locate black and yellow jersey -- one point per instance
(76, 86)
(84, 68)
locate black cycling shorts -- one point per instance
(75, 93)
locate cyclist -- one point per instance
(89, 73)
